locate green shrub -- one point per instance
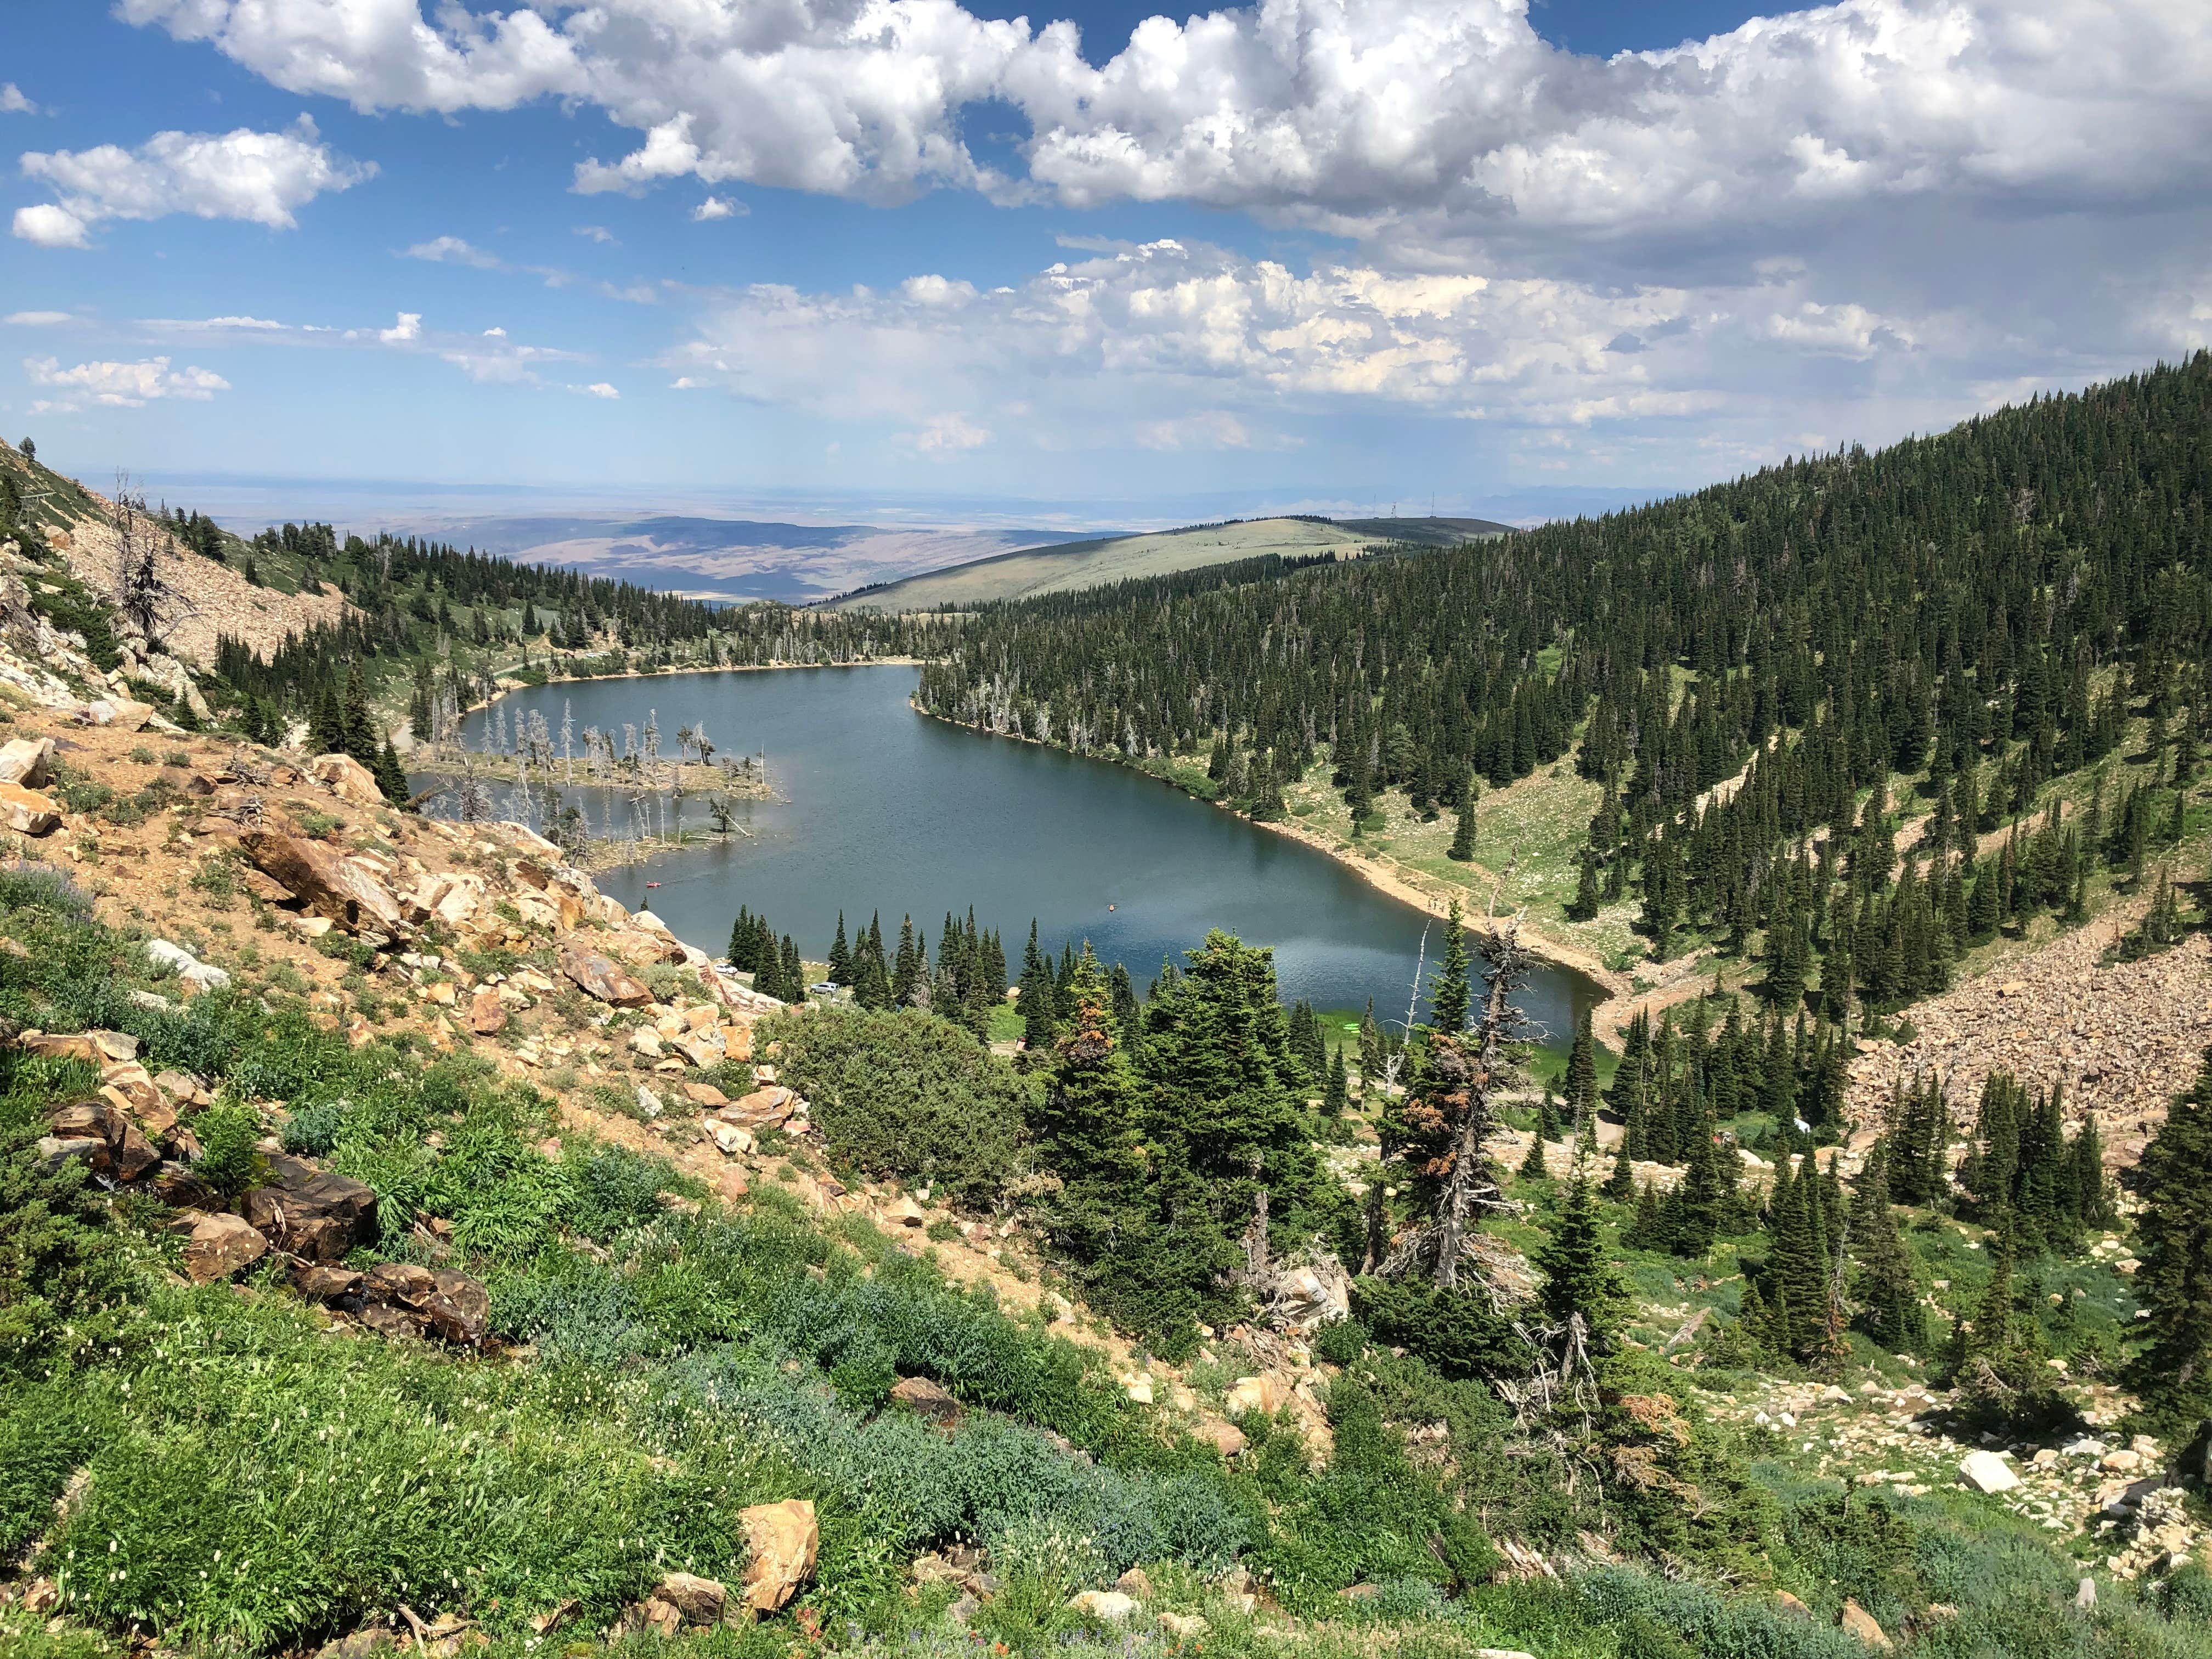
(230, 1160)
(906, 1094)
(63, 1278)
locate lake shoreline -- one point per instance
(1397, 883)
(508, 690)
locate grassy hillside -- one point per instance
(1107, 559)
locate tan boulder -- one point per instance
(347, 778)
(601, 977)
(454, 898)
(27, 761)
(928, 1400)
(156, 1115)
(125, 714)
(1107, 1606)
(55, 1045)
(762, 1108)
(663, 1618)
(702, 1048)
(337, 888)
(1224, 1438)
(1858, 1622)
(704, 1095)
(487, 1012)
(221, 1247)
(1265, 1395)
(26, 811)
(701, 1601)
(784, 1538)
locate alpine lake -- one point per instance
(886, 813)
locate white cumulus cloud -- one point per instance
(13, 100)
(408, 328)
(1325, 109)
(452, 250)
(126, 385)
(258, 177)
(944, 436)
(715, 207)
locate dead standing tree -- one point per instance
(142, 595)
(1452, 1116)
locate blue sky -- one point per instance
(1305, 253)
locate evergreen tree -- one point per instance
(2173, 1376)
(1620, 1185)
(1580, 1281)
(1222, 1119)
(840, 956)
(1336, 1096)
(1462, 841)
(1888, 1296)
(357, 730)
(1586, 900)
(907, 969)
(1371, 1052)
(1580, 1085)
(1039, 1001)
(390, 774)
(1533, 1167)
(326, 732)
(872, 978)
(1647, 1229)
(1448, 990)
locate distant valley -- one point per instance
(1027, 573)
(730, 559)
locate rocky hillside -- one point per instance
(2121, 1038)
(208, 599)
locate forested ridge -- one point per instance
(447, 615)
(1975, 612)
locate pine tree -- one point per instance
(1371, 1052)
(872, 979)
(1620, 1185)
(1889, 1299)
(1580, 1281)
(1586, 901)
(1580, 1085)
(1647, 1229)
(1462, 841)
(390, 774)
(325, 725)
(1040, 998)
(1336, 1096)
(906, 968)
(357, 732)
(1533, 1167)
(794, 972)
(840, 956)
(1448, 991)
(2172, 1377)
